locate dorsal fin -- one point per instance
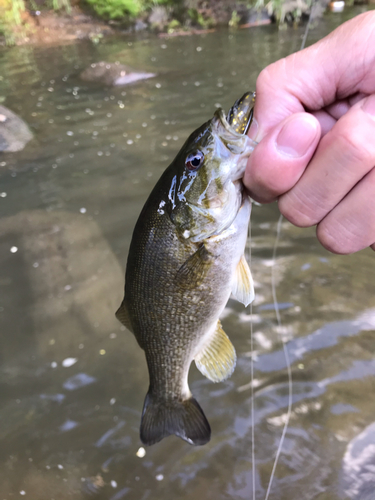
(122, 314)
(217, 359)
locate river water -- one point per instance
(73, 380)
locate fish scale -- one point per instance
(185, 259)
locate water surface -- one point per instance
(72, 380)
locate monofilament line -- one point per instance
(252, 378)
(277, 312)
(286, 354)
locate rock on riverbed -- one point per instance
(14, 133)
(113, 74)
(60, 286)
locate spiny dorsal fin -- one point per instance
(217, 359)
(122, 315)
(243, 285)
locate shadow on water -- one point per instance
(72, 380)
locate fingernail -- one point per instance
(297, 135)
(369, 106)
(253, 130)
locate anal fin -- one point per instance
(243, 285)
(217, 359)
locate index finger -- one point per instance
(339, 65)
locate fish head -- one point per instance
(206, 190)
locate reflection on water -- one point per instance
(72, 380)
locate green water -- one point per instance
(72, 380)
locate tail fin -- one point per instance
(183, 418)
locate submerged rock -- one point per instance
(63, 282)
(14, 133)
(112, 74)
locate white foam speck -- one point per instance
(69, 362)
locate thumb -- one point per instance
(279, 160)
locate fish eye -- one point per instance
(194, 160)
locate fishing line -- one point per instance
(286, 355)
(252, 379)
(279, 324)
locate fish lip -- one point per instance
(220, 114)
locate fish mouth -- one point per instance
(240, 115)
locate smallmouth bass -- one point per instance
(185, 259)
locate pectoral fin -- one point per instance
(243, 285)
(192, 272)
(122, 315)
(217, 359)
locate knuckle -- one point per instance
(353, 142)
(267, 77)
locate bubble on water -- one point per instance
(53, 364)
(59, 466)
(129, 141)
(114, 484)
(199, 49)
(22, 492)
(14, 249)
(138, 136)
(112, 335)
(102, 352)
(83, 210)
(100, 153)
(70, 133)
(163, 46)
(36, 264)
(158, 85)
(67, 362)
(112, 401)
(159, 477)
(141, 453)
(3, 194)
(67, 287)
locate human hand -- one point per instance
(315, 120)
